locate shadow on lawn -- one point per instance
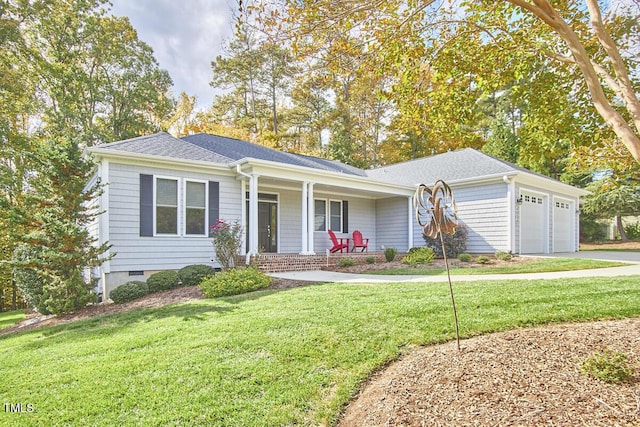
(116, 322)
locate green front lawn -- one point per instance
(267, 358)
(538, 266)
(10, 318)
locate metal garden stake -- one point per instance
(436, 213)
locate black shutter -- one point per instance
(214, 204)
(146, 205)
(345, 216)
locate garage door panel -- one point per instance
(562, 227)
(532, 223)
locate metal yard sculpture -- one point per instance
(436, 212)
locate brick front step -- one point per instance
(272, 263)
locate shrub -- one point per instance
(464, 257)
(454, 244)
(129, 291)
(482, 259)
(370, 260)
(418, 256)
(633, 231)
(27, 279)
(608, 366)
(192, 275)
(390, 254)
(591, 230)
(503, 256)
(234, 281)
(227, 241)
(346, 262)
(163, 280)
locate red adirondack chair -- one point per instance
(359, 242)
(339, 244)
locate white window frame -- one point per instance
(184, 207)
(155, 204)
(341, 220)
(325, 228)
(327, 214)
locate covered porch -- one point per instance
(288, 212)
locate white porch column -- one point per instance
(253, 216)
(410, 223)
(305, 220)
(310, 220)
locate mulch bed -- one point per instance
(526, 377)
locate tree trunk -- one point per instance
(623, 235)
(546, 12)
(14, 297)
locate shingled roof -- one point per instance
(452, 166)
(238, 149)
(164, 145)
(220, 150)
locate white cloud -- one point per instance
(185, 36)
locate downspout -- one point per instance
(511, 212)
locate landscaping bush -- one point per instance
(390, 254)
(234, 281)
(482, 259)
(227, 241)
(163, 280)
(608, 366)
(633, 231)
(129, 291)
(503, 256)
(464, 257)
(27, 279)
(418, 256)
(346, 262)
(192, 275)
(591, 230)
(454, 244)
(370, 260)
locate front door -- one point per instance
(267, 222)
(268, 226)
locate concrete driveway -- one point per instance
(632, 269)
(602, 255)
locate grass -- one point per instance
(10, 318)
(539, 266)
(270, 357)
(612, 246)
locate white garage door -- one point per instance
(562, 227)
(532, 221)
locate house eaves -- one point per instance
(296, 173)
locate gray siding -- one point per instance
(392, 222)
(158, 253)
(362, 216)
(484, 209)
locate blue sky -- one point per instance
(185, 36)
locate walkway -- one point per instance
(633, 268)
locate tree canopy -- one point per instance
(572, 66)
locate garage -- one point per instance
(562, 226)
(532, 223)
